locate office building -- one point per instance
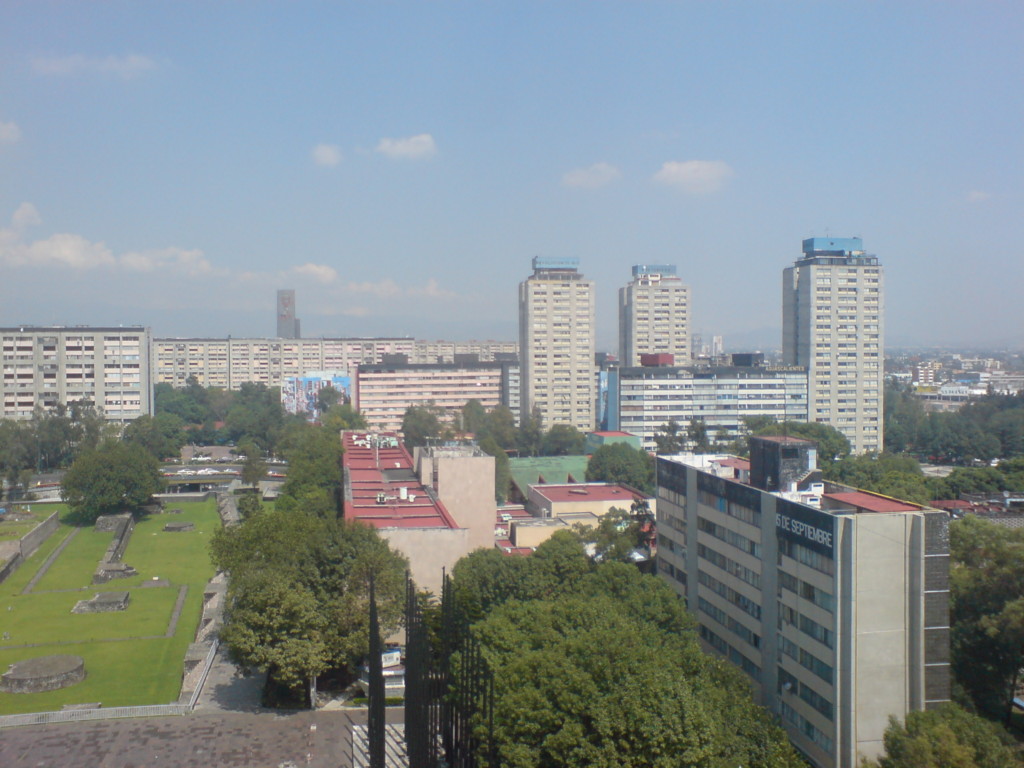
(654, 315)
(556, 343)
(108, 368)
(287, 323)
(643, 399)
(832, 324)
(833, 601)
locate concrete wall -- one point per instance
(465, 485)
(429, 551)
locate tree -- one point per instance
(987, 612)
(474, 418)
(254, 468)
(530, 436)
(299, 592)
(249, 504)
(314, 465)
(326, 398)
(563, 440)
(946, 737)
(110, 479)
(162, 435)
(697, 435)
(340, 417)
(621, 463)
(579, 671)
(502, 468)
(669, 439)
(614, 537)
(501, 426)
(420, 423)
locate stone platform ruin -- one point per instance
(179, 527)
(103, 602)
(43, 673)
(110, 566)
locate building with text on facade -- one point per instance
(654, 315)
(643, 399)
(556, 343)
(832, 317)
(833, 601)
(108, 368)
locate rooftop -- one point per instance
(865, 501)
(381, 488)
(588, 492)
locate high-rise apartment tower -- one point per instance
(287, 323)
(556, 343)
(654, 315)
(832, 324)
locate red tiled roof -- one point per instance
(872, 502)
(736, 463)
(366, 472)
(951, 504)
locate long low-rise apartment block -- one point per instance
(833, 601)
(44, 367)
(230, 363)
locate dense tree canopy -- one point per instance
(584, 650)
(113, 478)
(299, 592)
(419, 424)
(947, 737)
(563, 440)
(621, 463)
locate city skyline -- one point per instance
(399, 166)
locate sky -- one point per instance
(398, 164)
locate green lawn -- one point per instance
(121, 668)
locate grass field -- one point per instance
(128, 658)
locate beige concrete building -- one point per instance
(832, 317)
(556, 342)
(833, 601)
(384, 392)
(47, 366)
(654, 315)
(462, 476)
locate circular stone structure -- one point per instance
(43, 673)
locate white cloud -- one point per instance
(978, 196)
(10, 133)
(26, 216)
(189, 262)
(432, 290)
(125, 67)
(78, 253)
(72, 251)
(319, 272)
(327, 155)
(596, 176)
(696, 177)
(417, 147)
(382, 289)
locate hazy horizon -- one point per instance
(398, 165)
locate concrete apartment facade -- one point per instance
(47, 366)
(832, 323)
(642, 400)
(833, 601)
(654, 315)
(556, 342)
(384, 392)
(230, 363)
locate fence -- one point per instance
(114, 713)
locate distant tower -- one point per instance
(556, 343)
(654, 315)
(287, 323)
(832, 324)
